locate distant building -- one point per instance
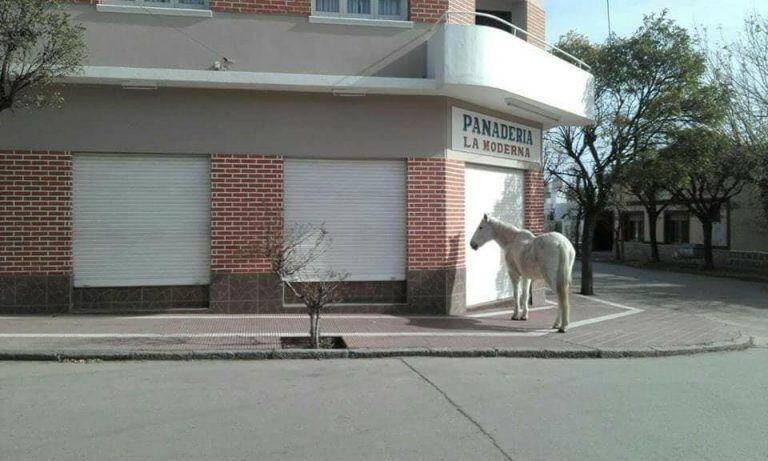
(740, 238)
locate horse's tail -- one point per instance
(563, 276)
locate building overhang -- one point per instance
(476, 64)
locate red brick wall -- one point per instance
(430, 11)
(534, 201)
(435, 214)
(287, 7)
(35, 213)
(246, 205)
(535, 24)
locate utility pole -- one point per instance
(608, 9)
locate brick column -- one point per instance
(246, 205)
(533, 190)
(534, 201)
(535, 20)
(431, 11)
(35, 232)
(436, 268)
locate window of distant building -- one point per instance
(634, 226)
(676, 227)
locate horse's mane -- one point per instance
(506, 226)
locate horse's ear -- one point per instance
(485, 217)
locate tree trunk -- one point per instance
(314, 329)
(577, 233)
(312, 332)
(587, 236)
(618, 242)
(709, 260)
(652, 218)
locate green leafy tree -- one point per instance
(713, 170)
(647, 178)
(38, 45)
(646, 86)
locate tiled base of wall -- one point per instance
(127, 299)
(635, 251)
(437, 292)
(386, 292)
(748, 259)
(246, 293)
(34, 294)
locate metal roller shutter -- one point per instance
(141, 220)
(363, 207)
(498, 192)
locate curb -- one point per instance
(739, 344)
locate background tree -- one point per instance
(742, 67)
(646, 86)
(618, 204)
(38, 45)
(713, 170)
(647, 178)
(293, 254)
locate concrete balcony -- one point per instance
(495, 69)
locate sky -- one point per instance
(589, 16)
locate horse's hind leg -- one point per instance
(516, 289)
(563, 304)
(550, 279)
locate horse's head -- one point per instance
(483, 233)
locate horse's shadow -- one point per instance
(472, 324)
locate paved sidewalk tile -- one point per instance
(596, 324)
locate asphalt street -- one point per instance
(738, 303)
(711, 406)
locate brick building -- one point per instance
(198, 126)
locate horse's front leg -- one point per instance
(526, 297)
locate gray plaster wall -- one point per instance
(256, 43)
(168, 120)
(749, 224)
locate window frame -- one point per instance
(640, 220)
(374, 14)
(669, 219)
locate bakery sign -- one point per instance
(481, 134)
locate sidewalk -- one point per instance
(598, 328)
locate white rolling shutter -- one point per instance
(363, 207)
(498, 192)
(141, 220)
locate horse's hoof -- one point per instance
(561, 330)
(525, 317)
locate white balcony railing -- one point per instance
(516, 31)
(500, 70)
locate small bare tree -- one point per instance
(293, 253)
(38, 44)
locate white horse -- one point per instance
(548, 257)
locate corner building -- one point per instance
(198, 126)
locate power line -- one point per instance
(212, 50)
